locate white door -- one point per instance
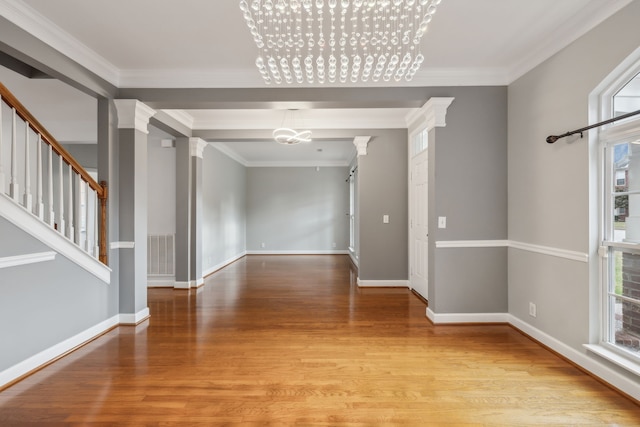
(419, 231)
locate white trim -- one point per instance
(134, 319)
(546, 250)
(431, 115)
(183, 285)
(14, 261)
(180, 116)
(299, 164)
(199, 282)
(383, 283)
(450, 318)
(353, 257)
(229, 153)
(133, 114)
(223, 264)
(614, 357)
(196, 147)
(584, 20)
(122, 245)
(361, 143)
(292, 252)
(30, 224)
(38, 360)
(443, 244)
(617, 379)
(161, 282)
(27, 18)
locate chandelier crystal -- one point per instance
(338, 40)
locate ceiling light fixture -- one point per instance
(288, 135)
(360, 40)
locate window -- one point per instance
(620, 300)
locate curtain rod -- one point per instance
(553, 138)
(351, 174)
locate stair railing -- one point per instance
(66, 196)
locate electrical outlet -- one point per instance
(334, 245)
(263, 245)
(532, 310)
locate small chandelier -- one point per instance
(359, 40)
(287, 135)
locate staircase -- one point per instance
(45, 192)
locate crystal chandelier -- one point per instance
(338, 40)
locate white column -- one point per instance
(52, 213)
(28, 198)
(39, 204)
(13, 186)
(70, 229)
(1, 160)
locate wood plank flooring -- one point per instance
(274, 340)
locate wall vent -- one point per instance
(161, 255)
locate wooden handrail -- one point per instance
(100, 189)
(34, 124)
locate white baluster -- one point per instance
(52, 212)
(1, 160)
(39, 204)
(87, 215)
(96, 207)
(28, 198)
(13, 186)
(61, 227)
(70, 229)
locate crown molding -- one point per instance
(133, 114)
(432, 114)
(27, 18)
(361, 143)
(196, 147)
(588, 17)
(230, 153)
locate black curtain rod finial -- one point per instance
(552, 138)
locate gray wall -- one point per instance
(162, 188)
(383, 190)
(468, 186)
(224, 183)
(549, 185)
(85, 154)
(46, 303)
(297, 209)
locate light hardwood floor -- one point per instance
(274, 340)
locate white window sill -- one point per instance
(614, 357)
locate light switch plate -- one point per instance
(442, 222)
(385, 219)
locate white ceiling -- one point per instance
(206, 44)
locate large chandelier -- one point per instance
(338, 40)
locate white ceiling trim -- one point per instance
(276, 164)
(372, 118)
(581, 23)
(181, 117)
(25, 17)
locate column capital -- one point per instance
(196, 147)
(361, 143)
(133, 114)
(431, 115)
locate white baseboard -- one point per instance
(223, 264)
(590, 363)
(383, 283)
(46, 356)
(189, 284)
(452, 318)
(161, 282)
(134, 319)
(311, 252)
(353, 257)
